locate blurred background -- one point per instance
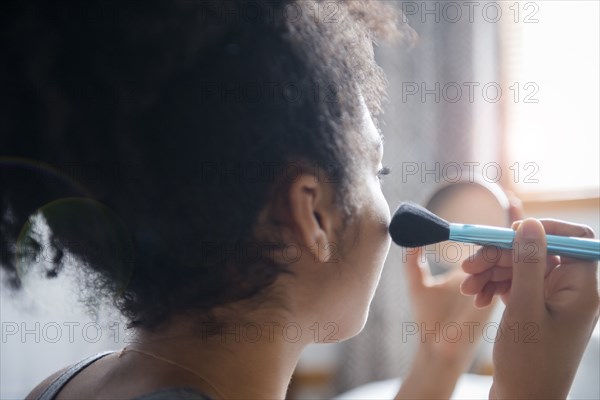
(507, 90)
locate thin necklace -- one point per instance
(166, 360)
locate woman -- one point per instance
(240, 162)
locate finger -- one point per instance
(527, 290)
(562, 228)
(503, 287)
(492, 257)
(501, 274)
(475, 283)
(491, 289)
(486, 296)
(504, 291)
(487, 257)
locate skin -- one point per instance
(338, 289)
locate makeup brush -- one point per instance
(415, 226)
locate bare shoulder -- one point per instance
(39, 389)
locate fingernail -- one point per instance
(529, 230)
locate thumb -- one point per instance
(529, 265)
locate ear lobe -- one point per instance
(311, 215)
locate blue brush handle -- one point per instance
(587, 249)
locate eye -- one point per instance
(383, 172)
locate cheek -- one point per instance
(371, 238)
(384, 210)
(378, 217)
(380, 208)
(381, 225)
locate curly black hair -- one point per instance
(149, 135)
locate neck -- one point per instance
(249, 358)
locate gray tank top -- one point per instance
(172, 393)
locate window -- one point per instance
(550, 64)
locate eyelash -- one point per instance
(383, 171)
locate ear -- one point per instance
(311, 215)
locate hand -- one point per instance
(552, 305)
(438, 305)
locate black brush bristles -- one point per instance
(415, 226)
